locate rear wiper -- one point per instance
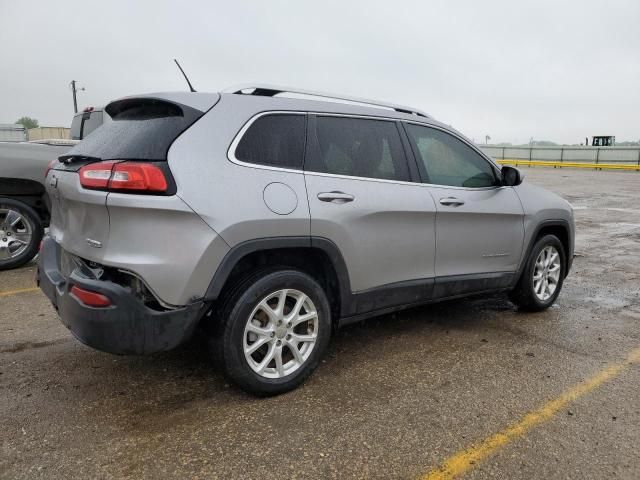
(69, 159)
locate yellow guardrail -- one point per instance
(554, 164)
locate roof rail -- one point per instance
(272, 90)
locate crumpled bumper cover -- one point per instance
(127, 326)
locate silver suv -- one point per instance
(270, 217)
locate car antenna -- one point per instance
(185, 76)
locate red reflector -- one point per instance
(96, 175)
(50, 167)
(41, 245)
(138, 176)
(89, 298)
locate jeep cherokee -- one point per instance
(269, 217)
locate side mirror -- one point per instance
(511, 176)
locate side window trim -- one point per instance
(84, 118)
(231, 151)
(416, 170)
(412, 164)
(425, 176)
(311, 143)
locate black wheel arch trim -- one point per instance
(544, 224)
(243, 249)
(352, 303)
(10, 187)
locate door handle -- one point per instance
(451, 202)
(335, 197)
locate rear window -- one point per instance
(142, 129)
(358, 147)
(92, 121)
(76, 123)
(276, 140)
(84, 123)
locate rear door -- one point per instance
(363, 199)
(479, 222)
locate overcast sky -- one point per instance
(550, 70)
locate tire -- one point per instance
(253, 306)
(531, 295)
(28, 228)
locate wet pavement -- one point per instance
(395, 397)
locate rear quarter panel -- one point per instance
(230, 197)
(164, 242)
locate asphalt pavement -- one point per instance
(470, 387)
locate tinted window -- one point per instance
(449, 161)
(276, 140)
(75, 127)
(93, 121)
(358, 147)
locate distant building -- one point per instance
(47, 133)
(12, 132)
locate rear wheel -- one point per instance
(20, 233)
(273, 330)
(542, 277)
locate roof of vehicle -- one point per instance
(268, 97)
(273, 90)
(203, 101)
(88, 110)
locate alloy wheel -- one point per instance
(280, 333)
(546, 273)
(15, 234)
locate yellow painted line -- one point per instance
(546, 163)
(467, 459)
(8, 293)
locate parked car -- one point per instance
(24, 204)
(270, 221)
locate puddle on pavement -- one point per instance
(607, 302)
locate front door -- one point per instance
(479, 222)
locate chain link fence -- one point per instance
(622, 155)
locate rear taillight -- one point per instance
(124, 176)
(96, 175)
(89, 298)
(138, 176)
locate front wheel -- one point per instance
(274, 329)
(20, 233)
(542, 277)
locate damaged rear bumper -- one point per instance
(127, 325)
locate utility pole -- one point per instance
(74, 89)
